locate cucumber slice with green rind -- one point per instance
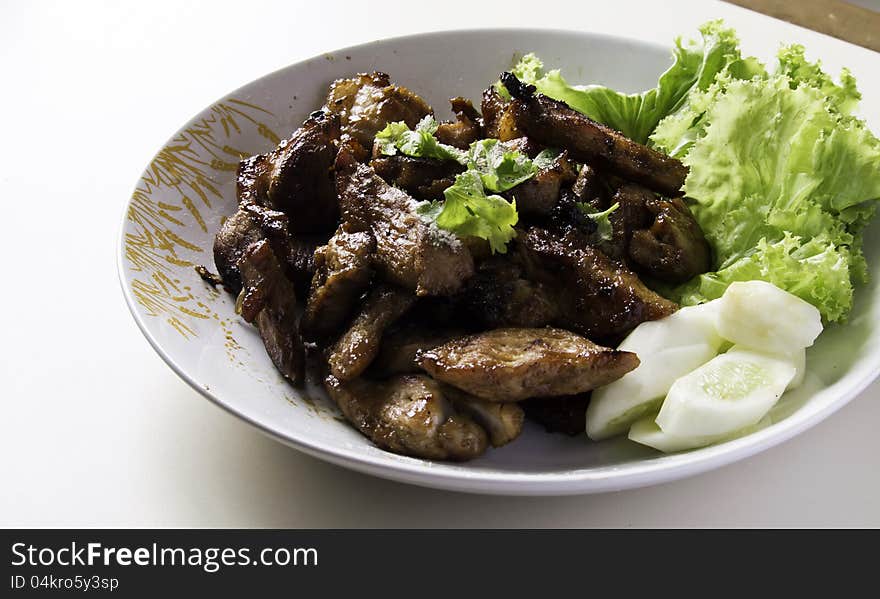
(730, 392)
(646, 432)
(613, 408)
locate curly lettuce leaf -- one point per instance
(469, 212)
(793, 64)
(782, 178)
(696, 63)
(677, 132)
(817, 271)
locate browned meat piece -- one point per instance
(554, 124)
(515, 364)
(498, 118)
(301, 184)
(568, 215)
(268, 300)
(503, 421)
(673, 249)
(343, 272)
(524, 145)
(367, 102)
(590, 189)
(235, 236)
(567, 414)
(423, 178)
(539, 194)
(295, 178)
(252, 223)
(596, 295)
(408, 415)
(252, 180)
(357, 347)
(207, 276)
(467, 127)
(629, 216)
(499, 296)
(400, 347)
(410, 251)
(301, 258)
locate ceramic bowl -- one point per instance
(189, 187)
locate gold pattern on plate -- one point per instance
(187, 177)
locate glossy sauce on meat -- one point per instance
(430, 344)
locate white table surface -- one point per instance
(97, 431)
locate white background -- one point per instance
(95, 430)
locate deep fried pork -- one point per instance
(554, 124)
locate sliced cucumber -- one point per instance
(761, 316)
(730, 392)
(613, 408)
(694, 325)
(647, 432)
(799, 360)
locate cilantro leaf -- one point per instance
(469, 212)
(420, 143)
(499, 167)
(603, 223)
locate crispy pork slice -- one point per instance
(268, 300)
(553, 124)
(343, 269)
(300, 257)
(596, 296)
(590, 188)
(631, 214)
(367, 102)
(410, 251)
(250, 224)
(358, 346)
(673, 248)
(498, 295)
(539, 195)
(400, 348)
(515, 364)
(295, 177)
(409, 415)
(252, 180)
(467, 127)
(524, 145)
(502, 421)
(422, 178)
(235, 236)
(498, 118)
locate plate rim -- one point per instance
(454, 477)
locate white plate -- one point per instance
(190, 185)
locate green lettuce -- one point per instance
(696, 64)
(468, 212)
(782, 180)
(817, 271)
(793, 64)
